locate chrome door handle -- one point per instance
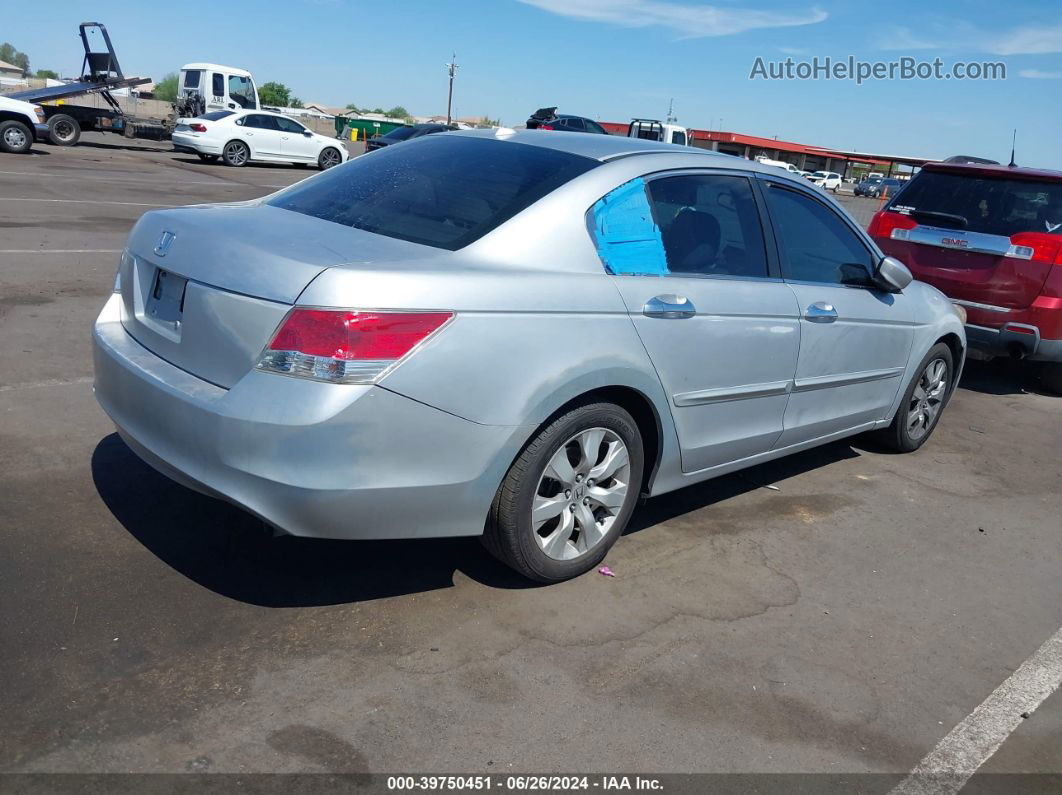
(821, 312)
(669, 307)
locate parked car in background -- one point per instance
(405, 133)
(549, 119)
(876, 188)
(989, 237)
(656, 130)
(239, 138)
(20, 125)
(443, 340)
(827, 180)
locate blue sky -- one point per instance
(613, 59)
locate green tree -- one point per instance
(295, 102)
(398, 112)
(276, 94)
(166, 88)
(353, 107)
(47, 73)
(12, 56)
(377, 110)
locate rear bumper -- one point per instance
(1013, 339)
(193, 145)
(312, 459)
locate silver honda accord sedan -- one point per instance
(511, 334)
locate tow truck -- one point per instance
(656, 130)
(201, 87)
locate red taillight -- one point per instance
(885, 223)
(197, 127)
(1036, 246)
(545, 126)
(345, 346)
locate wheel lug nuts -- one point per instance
(567, 493)
(586, 501)
(572, 507)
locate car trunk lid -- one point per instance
(204, 288)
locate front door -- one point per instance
(855, 338)
(688, 255)
(294, 141)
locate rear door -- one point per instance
(855, 339)
(263, 135)
(980, 238)
(688, 255)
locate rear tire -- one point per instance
(581, 474)
(15, 137)
(923, 402)
(1051, 376)
(235, 154)
(63, 130)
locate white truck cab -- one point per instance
(20, 123)
(220, 87)
(655, 130)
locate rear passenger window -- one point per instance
(814, 243)
(217, 85)
(705, 225)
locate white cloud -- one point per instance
(691, 21)
(897, 37)
(794, 50)
(1037, 74)
(1029, 40)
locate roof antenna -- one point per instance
(671, 111)
(1013, 141)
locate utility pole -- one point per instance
(452, 69)
(671, 112)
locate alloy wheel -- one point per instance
(580, 494)
(236, 153)
(927, 399)
(329, 158)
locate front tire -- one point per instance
(15, 137)
(236, 154)
(569, 495)
(923, 402)
(63, 130)
(330, 157)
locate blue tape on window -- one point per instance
(627, 238)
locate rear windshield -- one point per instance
(399, 133)
(440, 190)
(983, 204)
(217, 114)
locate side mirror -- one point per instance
(307, 133)
(893, 274)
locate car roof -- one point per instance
(997, 171)
(597, 147)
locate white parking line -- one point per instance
(219, 182)
(90, 201)
(970, 744)
(60, 251)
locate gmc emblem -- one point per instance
(954, 242)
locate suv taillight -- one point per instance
(886, 223)
(347, 346)
(1037, 247)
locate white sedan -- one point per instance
(238, 137)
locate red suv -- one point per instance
(990, 238)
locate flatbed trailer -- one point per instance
(102, 74)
